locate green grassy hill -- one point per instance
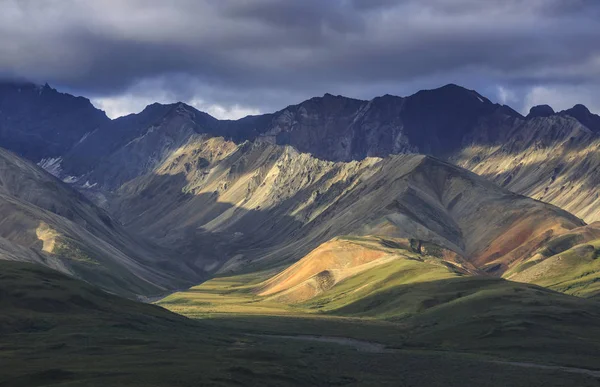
(576, 270)
(421, 304)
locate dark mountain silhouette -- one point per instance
(39, 122)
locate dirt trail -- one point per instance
(374, 347)
(585, 371)
(359, 345)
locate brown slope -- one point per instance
(345, 257)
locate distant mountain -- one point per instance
(38, 122)
(579, 112)
(540, 111)
(336, 128)
(435, 122)
(129, 145)
(583, 115)
(450, 122)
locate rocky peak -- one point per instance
(39, 122)
(582, 114)
(451, 91)
(580, 109)
(540, 111)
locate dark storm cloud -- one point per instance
(263, 54)
(306, 15)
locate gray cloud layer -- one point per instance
(263, 54)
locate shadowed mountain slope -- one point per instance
(38, 122)
(583, 115)
(132, 145)
(48, 299)
(43, 220)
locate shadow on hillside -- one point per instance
(466, 313)
(203, 232)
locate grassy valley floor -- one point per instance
(481, 317)
(58, 331)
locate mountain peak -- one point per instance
(330, 97)
(579, 108)
(582, 114)
(453, 86)
(454, 92)
(39, 122)
(540, 111)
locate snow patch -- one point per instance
(87, 185)
(52, 165)
(70, 179)
(83, 138)
(480, 100)
(139, 138)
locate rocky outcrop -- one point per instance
(540, 111)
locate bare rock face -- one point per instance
(133, 145)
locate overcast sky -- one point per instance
(237, 57)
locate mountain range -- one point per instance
(405, 210)
(451, 123)
(224, 194)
